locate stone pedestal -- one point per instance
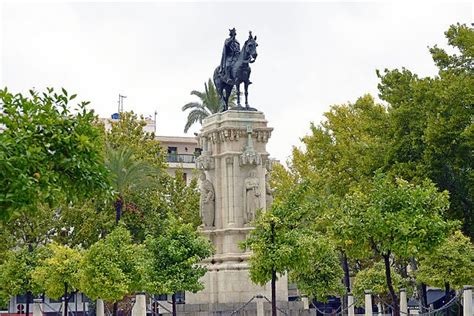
(234, 162)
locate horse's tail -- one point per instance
(217, 79)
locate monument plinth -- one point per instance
(234, 163)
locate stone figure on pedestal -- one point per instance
(268, 191)
(252, 196)
(207, 209)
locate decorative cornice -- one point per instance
(229, 134)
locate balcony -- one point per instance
(182, 158)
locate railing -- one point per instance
(185, 158)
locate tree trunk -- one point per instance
(173, 300)
(27, 307)
(347, 279)
(272, 237)
(447, 296)
(115, 309)
(274, 307)
(66, 299)
(388, 276)
(118, 209)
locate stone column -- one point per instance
(467, 301)
(37, 307)
(403, 302)
(99, 308)
(379, 308)
(368, 303)
(260, 309)
(350, 304)
(139, 308)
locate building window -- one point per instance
(180, 297)
(197, 152)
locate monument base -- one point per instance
(230, 283)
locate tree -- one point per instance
(396, 219)
(342, 152)
(431, 130)
(129, 132)
(58, 272)
(175, 257)
(450, 265)
(128, 174)
(181, 199)
(374, 279)
(48, 154)
(210, 104)
(318, 272)
(284, 241)
(113, 267)
(16, 273)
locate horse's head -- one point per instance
(251, 48)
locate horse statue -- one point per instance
(239, 72)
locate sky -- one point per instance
(311, 55)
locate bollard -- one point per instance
(467, 301)
(368, 303)
(350, 304)
(37, 307)
(99, 308)
(403, 302)
(305, 301)
(139, 308)
(260, 309)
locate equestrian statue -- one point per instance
(235, 69)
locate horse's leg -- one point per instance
(246, 92)
(226, 99)
(237, 87)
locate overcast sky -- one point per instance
(311, 54)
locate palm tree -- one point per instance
(128, 174)
(210, 104)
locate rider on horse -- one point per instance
(230, 54)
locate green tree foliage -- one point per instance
(373, 279)
(48, 153)
(57, 273)
(82, 225)
(210, 104)
(175, 257)
(16, 272)
(395, 219)
(345, 149)
(129, 132)
(449, 264)
(318, 272)
(284, 241)
(181, 199)
(113, 267)
(128, 175)
(431, 129)
(341, 153)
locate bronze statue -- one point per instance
(234, 68)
